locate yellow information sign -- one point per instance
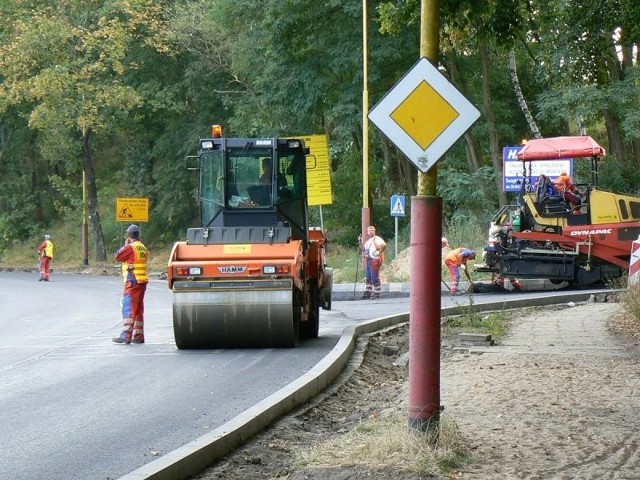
(318, 170)
(132, 210)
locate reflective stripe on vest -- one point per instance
(139, 263)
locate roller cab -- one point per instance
(254, 273)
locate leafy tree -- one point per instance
(588, 55)
(66, 62)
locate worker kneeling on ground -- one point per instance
(455, 261)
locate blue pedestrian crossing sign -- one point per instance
(397, 205)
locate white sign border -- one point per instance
(380, 115)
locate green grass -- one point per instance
(630, 299)
(495, 324)
(345, 260)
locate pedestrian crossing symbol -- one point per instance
(397, 205)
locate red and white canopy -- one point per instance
(560, 147)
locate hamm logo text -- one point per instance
(232, 269)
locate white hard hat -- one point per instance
(445, 242)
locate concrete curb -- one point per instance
(354, 291)
(196, 456)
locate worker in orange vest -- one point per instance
(133, 256)
(455, 261)
(565, 186)
(45, 250)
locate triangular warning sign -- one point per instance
(398, 208)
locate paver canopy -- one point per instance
(560, 147)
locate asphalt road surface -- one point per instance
(75, 405)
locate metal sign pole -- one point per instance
(396, 236)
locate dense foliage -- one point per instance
(119, 91)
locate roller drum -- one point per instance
(235, 319)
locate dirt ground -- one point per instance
(557, 416)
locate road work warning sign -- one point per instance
(132, 210)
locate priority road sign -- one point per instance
(424, 115)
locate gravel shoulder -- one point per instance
(557, 398)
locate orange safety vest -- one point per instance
(139, 263)
(456, 256)
(564, 184)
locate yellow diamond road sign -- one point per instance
(424, 115)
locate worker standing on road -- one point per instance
(455, 261)
(45, 250)
(373, 253)
(133, 256)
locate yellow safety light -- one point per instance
(216, 131)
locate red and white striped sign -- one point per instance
(634, 263)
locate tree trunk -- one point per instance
(406, 170)
(515, 82)
(473, 157)
(494, 141)
(626, 64)
(471, 147)
(37, 185)
(92, 196)
(616, 144)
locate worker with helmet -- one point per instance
(45, 250)
(455, 261)
(134, 256)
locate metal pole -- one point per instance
(396, 236)
(355, 281)
(85, 226)
(426, 232)
(366, 212)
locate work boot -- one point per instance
(138, 340)
(366, 295)
(120, 340)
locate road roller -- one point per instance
(253, 274)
